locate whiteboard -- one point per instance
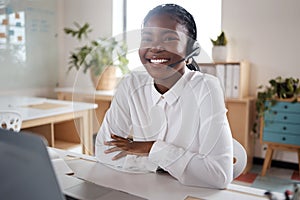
(28, 44)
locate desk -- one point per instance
(150, 185)
(101, 97)
(62, 123)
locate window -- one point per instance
(207, 14)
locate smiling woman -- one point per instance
(128, 18)
(174, 115)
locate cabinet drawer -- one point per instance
(281, 138)
(284, 128)
(282, 117)
(286, 107)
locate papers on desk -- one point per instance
(59, 165)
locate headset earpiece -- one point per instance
(193, 50)
(196, 48)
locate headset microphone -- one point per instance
(195, 51)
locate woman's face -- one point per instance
(163, 42)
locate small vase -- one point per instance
(219, 53)
(106, 80)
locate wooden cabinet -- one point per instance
(280, 130)
(241, 116)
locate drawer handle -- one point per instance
(285, 117)
(285, 106)
(283, 138)
(275, 112)
(284, 128)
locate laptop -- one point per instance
(26, 172)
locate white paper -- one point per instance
(61, 167)
(236, 81)
(229, 81)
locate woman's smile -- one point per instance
(158, 60)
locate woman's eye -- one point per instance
(146, 39)
(170, 39)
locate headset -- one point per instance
(194, 52)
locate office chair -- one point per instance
(239, 159)
(10, 120)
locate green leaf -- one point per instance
(220, 41)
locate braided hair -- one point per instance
(183, 17)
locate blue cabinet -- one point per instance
(281, 130)
(282, 124)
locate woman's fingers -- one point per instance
(110, 150)
(120, 155)
(117, 143)
(127, 146)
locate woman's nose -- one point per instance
(156, 46)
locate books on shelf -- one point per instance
(233, 77)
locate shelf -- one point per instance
(70, 146)
(233, 76)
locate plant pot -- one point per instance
(106, 80)
(219, 53)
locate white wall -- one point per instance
(98, 13)
(267, 34)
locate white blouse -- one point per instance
(188, 123)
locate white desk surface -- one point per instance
(150, 185)
(22, 105)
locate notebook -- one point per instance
(26, 172)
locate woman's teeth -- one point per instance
(158, 61)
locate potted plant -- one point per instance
(219, 50)
(101, 56)
(278, 89)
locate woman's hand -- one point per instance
(127, 147)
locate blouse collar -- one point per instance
(173, 93)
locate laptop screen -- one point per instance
(25, 170)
